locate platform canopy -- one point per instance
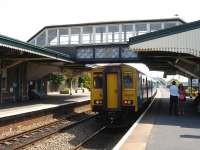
(178, 47)
(14, 49)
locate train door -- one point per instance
(112, 90)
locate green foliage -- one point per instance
(84, 81)
(56, 79)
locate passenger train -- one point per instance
(118, 90)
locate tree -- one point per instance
(56, 79)
(85, 80)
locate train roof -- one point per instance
(126, 65)
(120, 64)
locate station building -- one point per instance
(25, 66)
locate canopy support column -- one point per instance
(198, 85)
(191, 87)
(1, 95)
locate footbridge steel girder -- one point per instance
(184, 70)
(91, 54)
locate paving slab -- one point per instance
(157, 130)
(52, 101)
(175, 132)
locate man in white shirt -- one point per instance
(173, 104)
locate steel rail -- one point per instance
(37, 128)
(49, 130)
(89, 138)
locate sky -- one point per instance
(21, 19)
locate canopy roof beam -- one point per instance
(181, 68)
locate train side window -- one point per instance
(128, 80)
(98, 81)
(143, 82)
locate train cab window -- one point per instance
(128, 80)
(98, 81)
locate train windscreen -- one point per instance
(98, 80)
(128, 80)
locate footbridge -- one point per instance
(168, 45)
(101, 42)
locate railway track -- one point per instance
(89, 138)
(26, 138)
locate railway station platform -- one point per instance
(16, 110)
(157, 130)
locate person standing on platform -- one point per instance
(181, 98)
(173, 104)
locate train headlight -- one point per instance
(97, 102)
(128, 102)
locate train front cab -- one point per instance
(97, 90)
(129, 89)
(114, 89)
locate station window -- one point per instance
(98, 81)
(127, 32)
(141, 28)
(155, 27)
(32, 41)
(169, 25)
(87, 35)
(4, 80)
(64, 36)
(41, 39)
(52, 37)
(75, 35)
(113, 33)
(128, 80)
(100, 35)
